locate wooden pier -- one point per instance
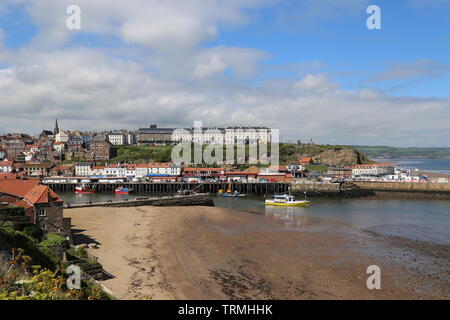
(175, 187)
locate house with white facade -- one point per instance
(372, 170)
(115, 171)
(98, 171)
(83, 169)
(117, 139)
(157, 169)
(6, 166)
(229, 135)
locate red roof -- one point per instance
(203, 169)
(240, 173)
(7, 176)
(155, 165)
(30, 190)
(6, 163)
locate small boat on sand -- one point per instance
(286, 200)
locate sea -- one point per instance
(433, 165)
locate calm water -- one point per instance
(436, 165)
(425, 220)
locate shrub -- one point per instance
(53, 240)
(34, 232)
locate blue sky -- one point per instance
(301, 54)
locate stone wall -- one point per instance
(407, 190)
(169, 201)
(53, 219)
(404, 186)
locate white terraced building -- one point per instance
(372, 170)
(83, 169)
(158, 169)
(229, 135)
(117, 139)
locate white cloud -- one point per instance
(219, 59)
(161, 25)
(315, 84)
(94, 89)
(89, 90)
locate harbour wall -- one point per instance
(405, 186)
(410, 190)
(168, 201)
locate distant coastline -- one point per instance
(432, 167)
(386, 152)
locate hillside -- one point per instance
(403, 153)
(329, 155)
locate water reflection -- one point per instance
(288, 216)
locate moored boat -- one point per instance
(82, 188)
(286, 200)
(123, 190)
(233, 194)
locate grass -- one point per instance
(317, 168)
(289, 153)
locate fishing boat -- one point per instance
(233, 194)
(82, 188)
(123, 190)
(286, 200)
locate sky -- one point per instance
(312, 69)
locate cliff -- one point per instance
(324, 154)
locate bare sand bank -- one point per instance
(215, 253)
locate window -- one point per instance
(41, 212)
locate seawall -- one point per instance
(168, 201)
(409, 190)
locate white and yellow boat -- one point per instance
(286, 200)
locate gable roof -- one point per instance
(30, 190)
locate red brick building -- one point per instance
(101, 150)
(42, 205)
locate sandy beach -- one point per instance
(216, 253)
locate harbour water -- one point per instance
(433, 165)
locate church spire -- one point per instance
(56, 130)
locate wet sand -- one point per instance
(216, 253)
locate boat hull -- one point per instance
(122, 191)
(85, 191)
(288, 204)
